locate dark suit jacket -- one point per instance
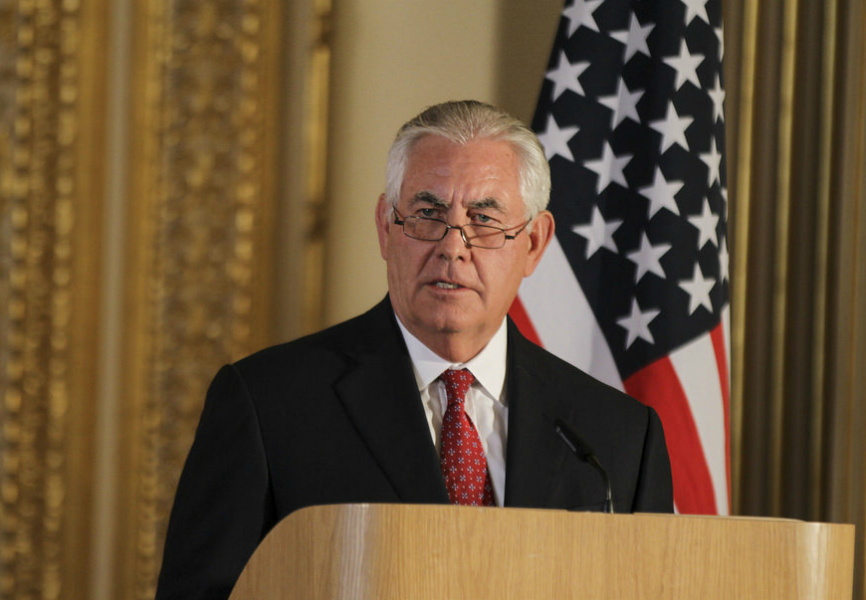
(336, 417)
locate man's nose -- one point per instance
(452, 245)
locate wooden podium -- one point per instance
(414, 552)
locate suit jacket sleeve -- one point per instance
(223, 506)
(654, 491)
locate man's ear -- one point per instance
(543, 227)
(383, 225)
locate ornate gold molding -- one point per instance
(51, 90)
(204, 134)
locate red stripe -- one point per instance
(718, 337)
(524, 324)
(658, 386)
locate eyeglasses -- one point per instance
(476, 236)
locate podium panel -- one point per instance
(417, 552)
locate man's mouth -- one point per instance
(442, 284)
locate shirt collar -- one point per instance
(488, 366)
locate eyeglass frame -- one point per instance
(401, 221)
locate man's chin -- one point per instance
(455, 323)
(447, 327)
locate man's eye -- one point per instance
(482, 219)
(428, 213)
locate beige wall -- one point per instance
(390, 60)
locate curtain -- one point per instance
(796, 102)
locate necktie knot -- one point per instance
(457, 383)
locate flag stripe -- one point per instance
(658, 386)
(698, 372)
(521, 319)
(718, 336)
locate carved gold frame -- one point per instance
(52, 102)
(202, 198)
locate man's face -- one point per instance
(450, 296)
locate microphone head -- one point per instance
(577, 444)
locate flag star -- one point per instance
(706, 224)
(661, 194)
(598, 233)
(609, 168)
(673, 128)
(686, 66)
(647, 258)
(623, 104)
(713, 160)
(721, 37)
(717, 95)
(696, 8)
(555, 140)
(565, 77)
(634, 39)
(724, 258)
(580, 13)
(698, 290)
(637, 324)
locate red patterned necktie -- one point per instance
(463, 462)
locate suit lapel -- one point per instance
(381, 397)
(534, 454)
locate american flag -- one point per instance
(634, 288)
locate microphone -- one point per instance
(584, 452)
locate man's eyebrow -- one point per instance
(429, 198)
(487, 203)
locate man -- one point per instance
(391, 406)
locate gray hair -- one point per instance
(461, 122)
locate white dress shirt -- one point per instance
(485, 401)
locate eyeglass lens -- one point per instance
(434, 230)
